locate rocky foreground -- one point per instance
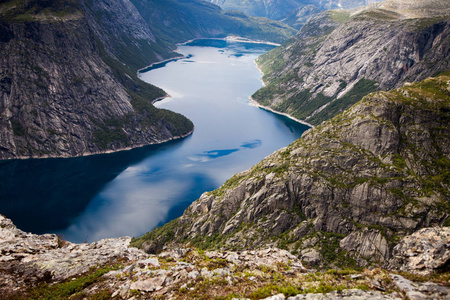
(45, 267)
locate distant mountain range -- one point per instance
(292, 12)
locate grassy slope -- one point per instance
(283, 80)
(36, 10)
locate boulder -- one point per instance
(425, 252)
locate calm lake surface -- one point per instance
(131, 192)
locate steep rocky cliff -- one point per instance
(340, 56)
(63, 89)
(125, 34)
(343, 194)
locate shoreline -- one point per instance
(262, 74)
(233, 39)
(228, 38)
(161, 98)
(253, 103)
(177, 137)
(256, 104)
(145, 69)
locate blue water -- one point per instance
(131, 192)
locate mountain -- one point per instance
(273, 9)
(65, 91)
(292, 12)
(340, 56)
(177, 21)
(68, 74)
(124, 33)
(343, 194)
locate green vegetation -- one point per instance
(271, 289)
(380, 14)
(361, 89)
(74, 286)
(302, 105)
(110, 132)
(264, 281)
(215, 241)
(17, 128)
(161, 234)
(39, 10)
(340, 16)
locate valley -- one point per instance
(113, 125)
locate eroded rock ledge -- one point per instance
(34, 266)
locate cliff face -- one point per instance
(340, 56)
(344, 193)
(63, 92)
(124, 33)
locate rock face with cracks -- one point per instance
(43, 266)
(344, 193)
(340, 56)
(423, 252)
(64, 91)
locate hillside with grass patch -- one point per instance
(340, 56)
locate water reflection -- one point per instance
(131, 192)
(46, 195)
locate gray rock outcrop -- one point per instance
(28, 258)
(425, 252)
(44, 266)
(348, 189)
(420, 291)
(340, 56)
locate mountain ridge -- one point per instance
(340, 56)
(185, 20)
(295, 13)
